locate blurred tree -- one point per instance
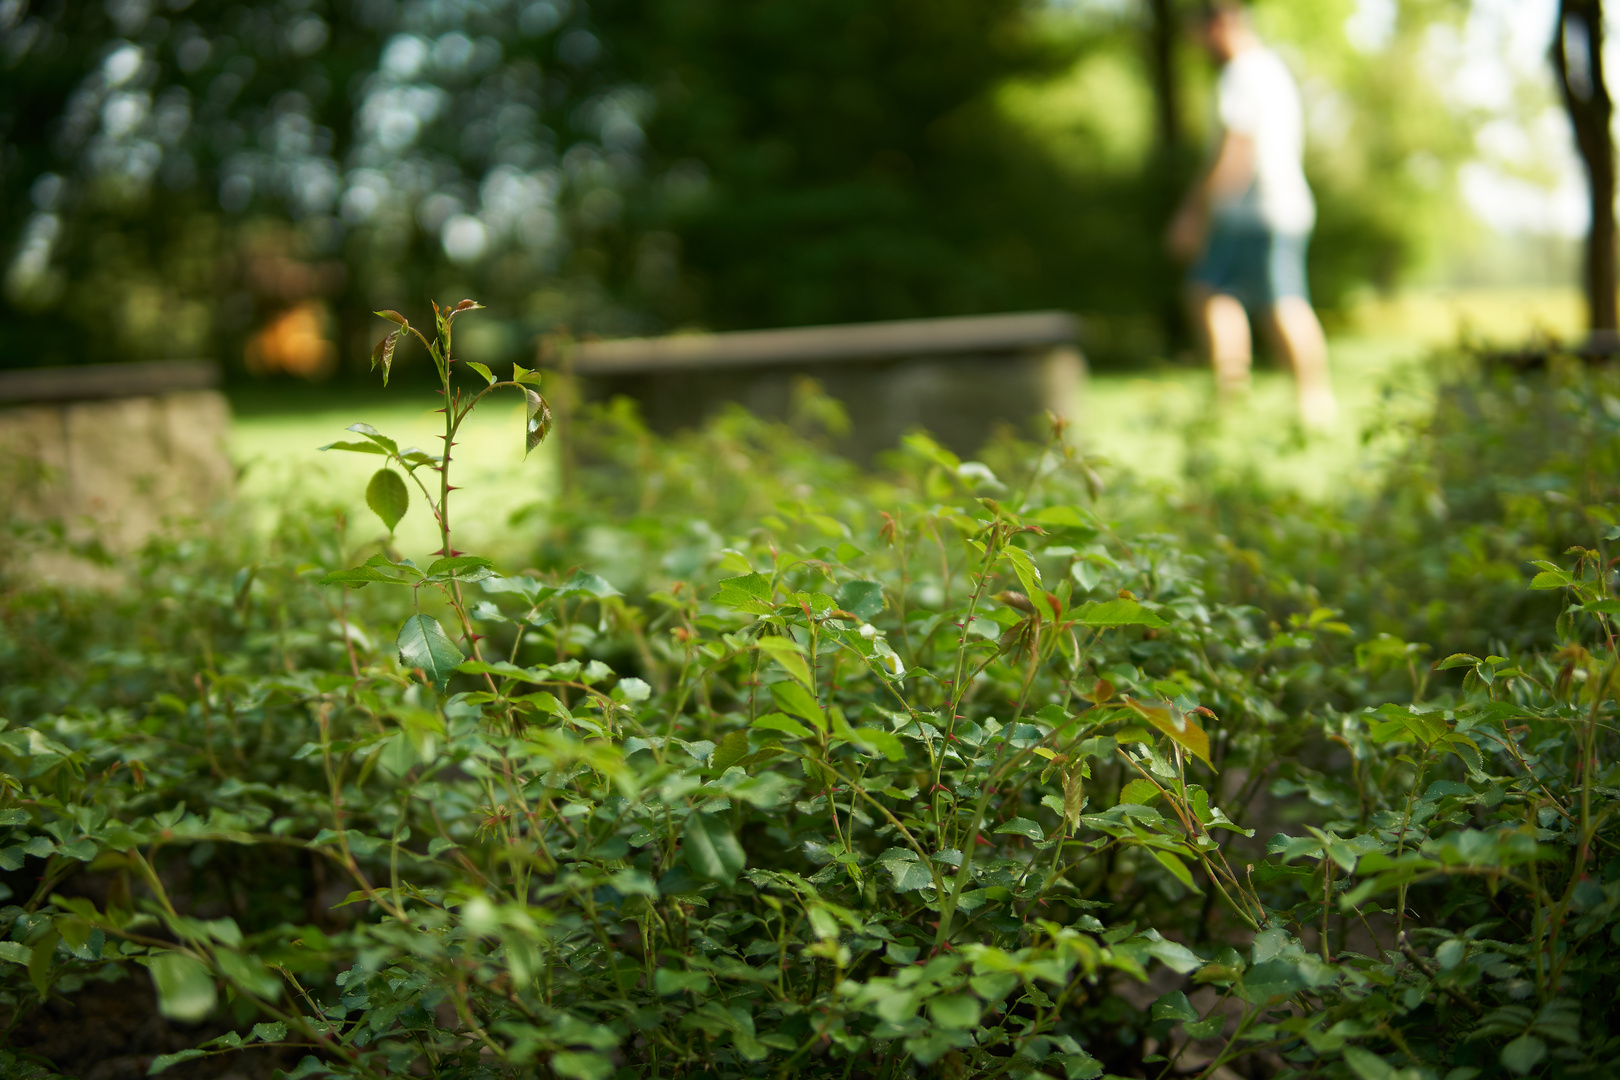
(186, 178)
(843, 159)
(1577, 52)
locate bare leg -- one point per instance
(1224, 327)
(1298, 336)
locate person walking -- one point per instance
(1245, 224)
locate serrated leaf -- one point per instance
(787, 654)
(1024, 569)
(424, 644)
(910, 875)
(1022, 827)
(785, 724)
(710, 850)
(359, 576)
(377, 437)
(1175, 956)
(357, 447)
(392, 316)
(464, 305)
(795, 700)
(458, 563)
(1172, 862)
(537, 423)
(1181, 727)
(521, 374)
(273, 1031)
(382, 356)
(489, 376)
(863, 599)
(164, 1061)
(1174, 1006)
(582, 582)
(185, 987)
(388, 497)
(1140, 792)
(732, 749)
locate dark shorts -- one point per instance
(1253, 263)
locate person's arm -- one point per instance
(1227, 177)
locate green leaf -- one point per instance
(1524, 1053)
(377, 437)
(1368, 1065)
(383, 355)
(388, 497)
(537, 420)
(670, 981)
(750, 593)
(1181, 727)
(1269, 980)
(732, 749)
(454, 564)
(521, 374)
(273, 1031)
(910, 875)
(1117, 613)
(954, 1010)
(489, 376)
(423, 644)
(359, 577)
(582, 582)
(1175, 956)
(1172, 862)
(786, 725)
(1174, 1006)
(185, 987)
(40, 958)
(1140, 792)
(581, 1065)
(879, 741)
(863, 599)
(789, 655)
(164, 1061)
(1024, 568)
(795, 700)
(13, 951)
(357, 447)
(711, 851)
(249, 973)
(1020, 826)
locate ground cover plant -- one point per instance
(768, 765)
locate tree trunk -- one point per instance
(1161, 62)
(1577, 50)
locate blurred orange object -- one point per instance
(294, 343)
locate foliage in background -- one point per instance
(233, 179)
(944, 768)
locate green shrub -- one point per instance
(936, 771)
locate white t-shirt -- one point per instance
(1256, 96)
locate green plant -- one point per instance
(938, 770)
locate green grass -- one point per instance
(276, 441)
(1147, 425)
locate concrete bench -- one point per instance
(106, 453)
(956, 377)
